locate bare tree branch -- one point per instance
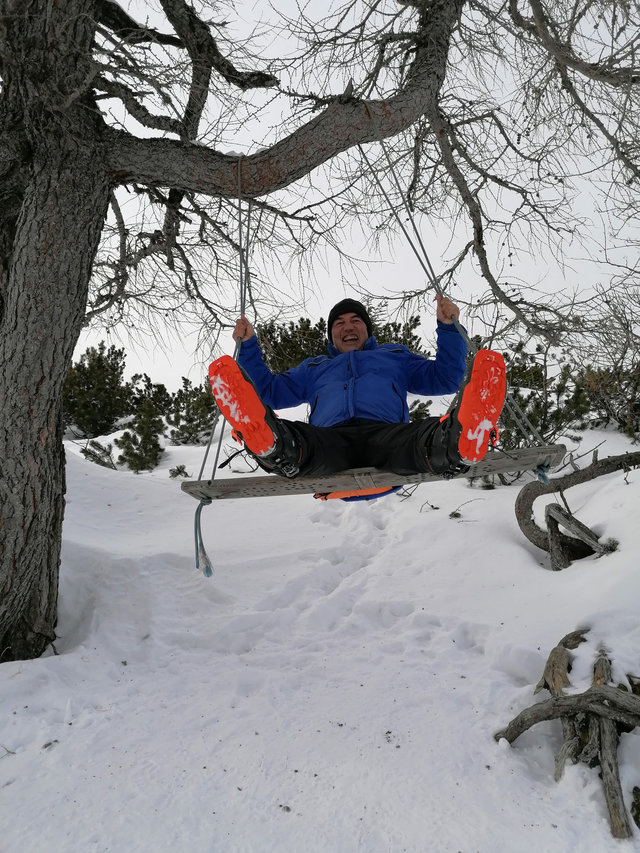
(113, 16)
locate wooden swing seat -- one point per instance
(271, 485)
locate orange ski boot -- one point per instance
(474, 417)
(255, 424)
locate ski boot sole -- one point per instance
(480, 405)
(240, 405)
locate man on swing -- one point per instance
(358, 397)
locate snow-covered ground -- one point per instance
(335, 687)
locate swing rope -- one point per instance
(244, 274)
(202, 558)
(521, 420)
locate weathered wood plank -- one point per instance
(269, 485)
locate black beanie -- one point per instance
(349, 306)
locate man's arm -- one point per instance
(278, 390)
(443, 374)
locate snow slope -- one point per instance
(335, 687)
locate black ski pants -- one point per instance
(400, 448)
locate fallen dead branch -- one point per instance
(583, 542)
(591, 723)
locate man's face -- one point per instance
(349, 332)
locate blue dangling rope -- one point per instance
(542, 473)
(201, 553)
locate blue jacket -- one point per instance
(371, 383)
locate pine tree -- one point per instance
(285, 345)
(193, 414)
(614, 396)
(94, 395)
(142, 388)
(549, 389)
(141, 449)
(400, 333)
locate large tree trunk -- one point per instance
(57, 234)
(47, 252)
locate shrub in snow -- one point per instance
(94, 397)
(193, 414)
(178, 471)
(614, 395)
(549, 389)
(141, 448)
(142, 388)
(98, 453)
(285, 345)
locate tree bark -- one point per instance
(609, 768)
(46, 265)
(590, 723)
(603, 700)
(344, 123)
(57, 236)
(527, 496)
(584, 541)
